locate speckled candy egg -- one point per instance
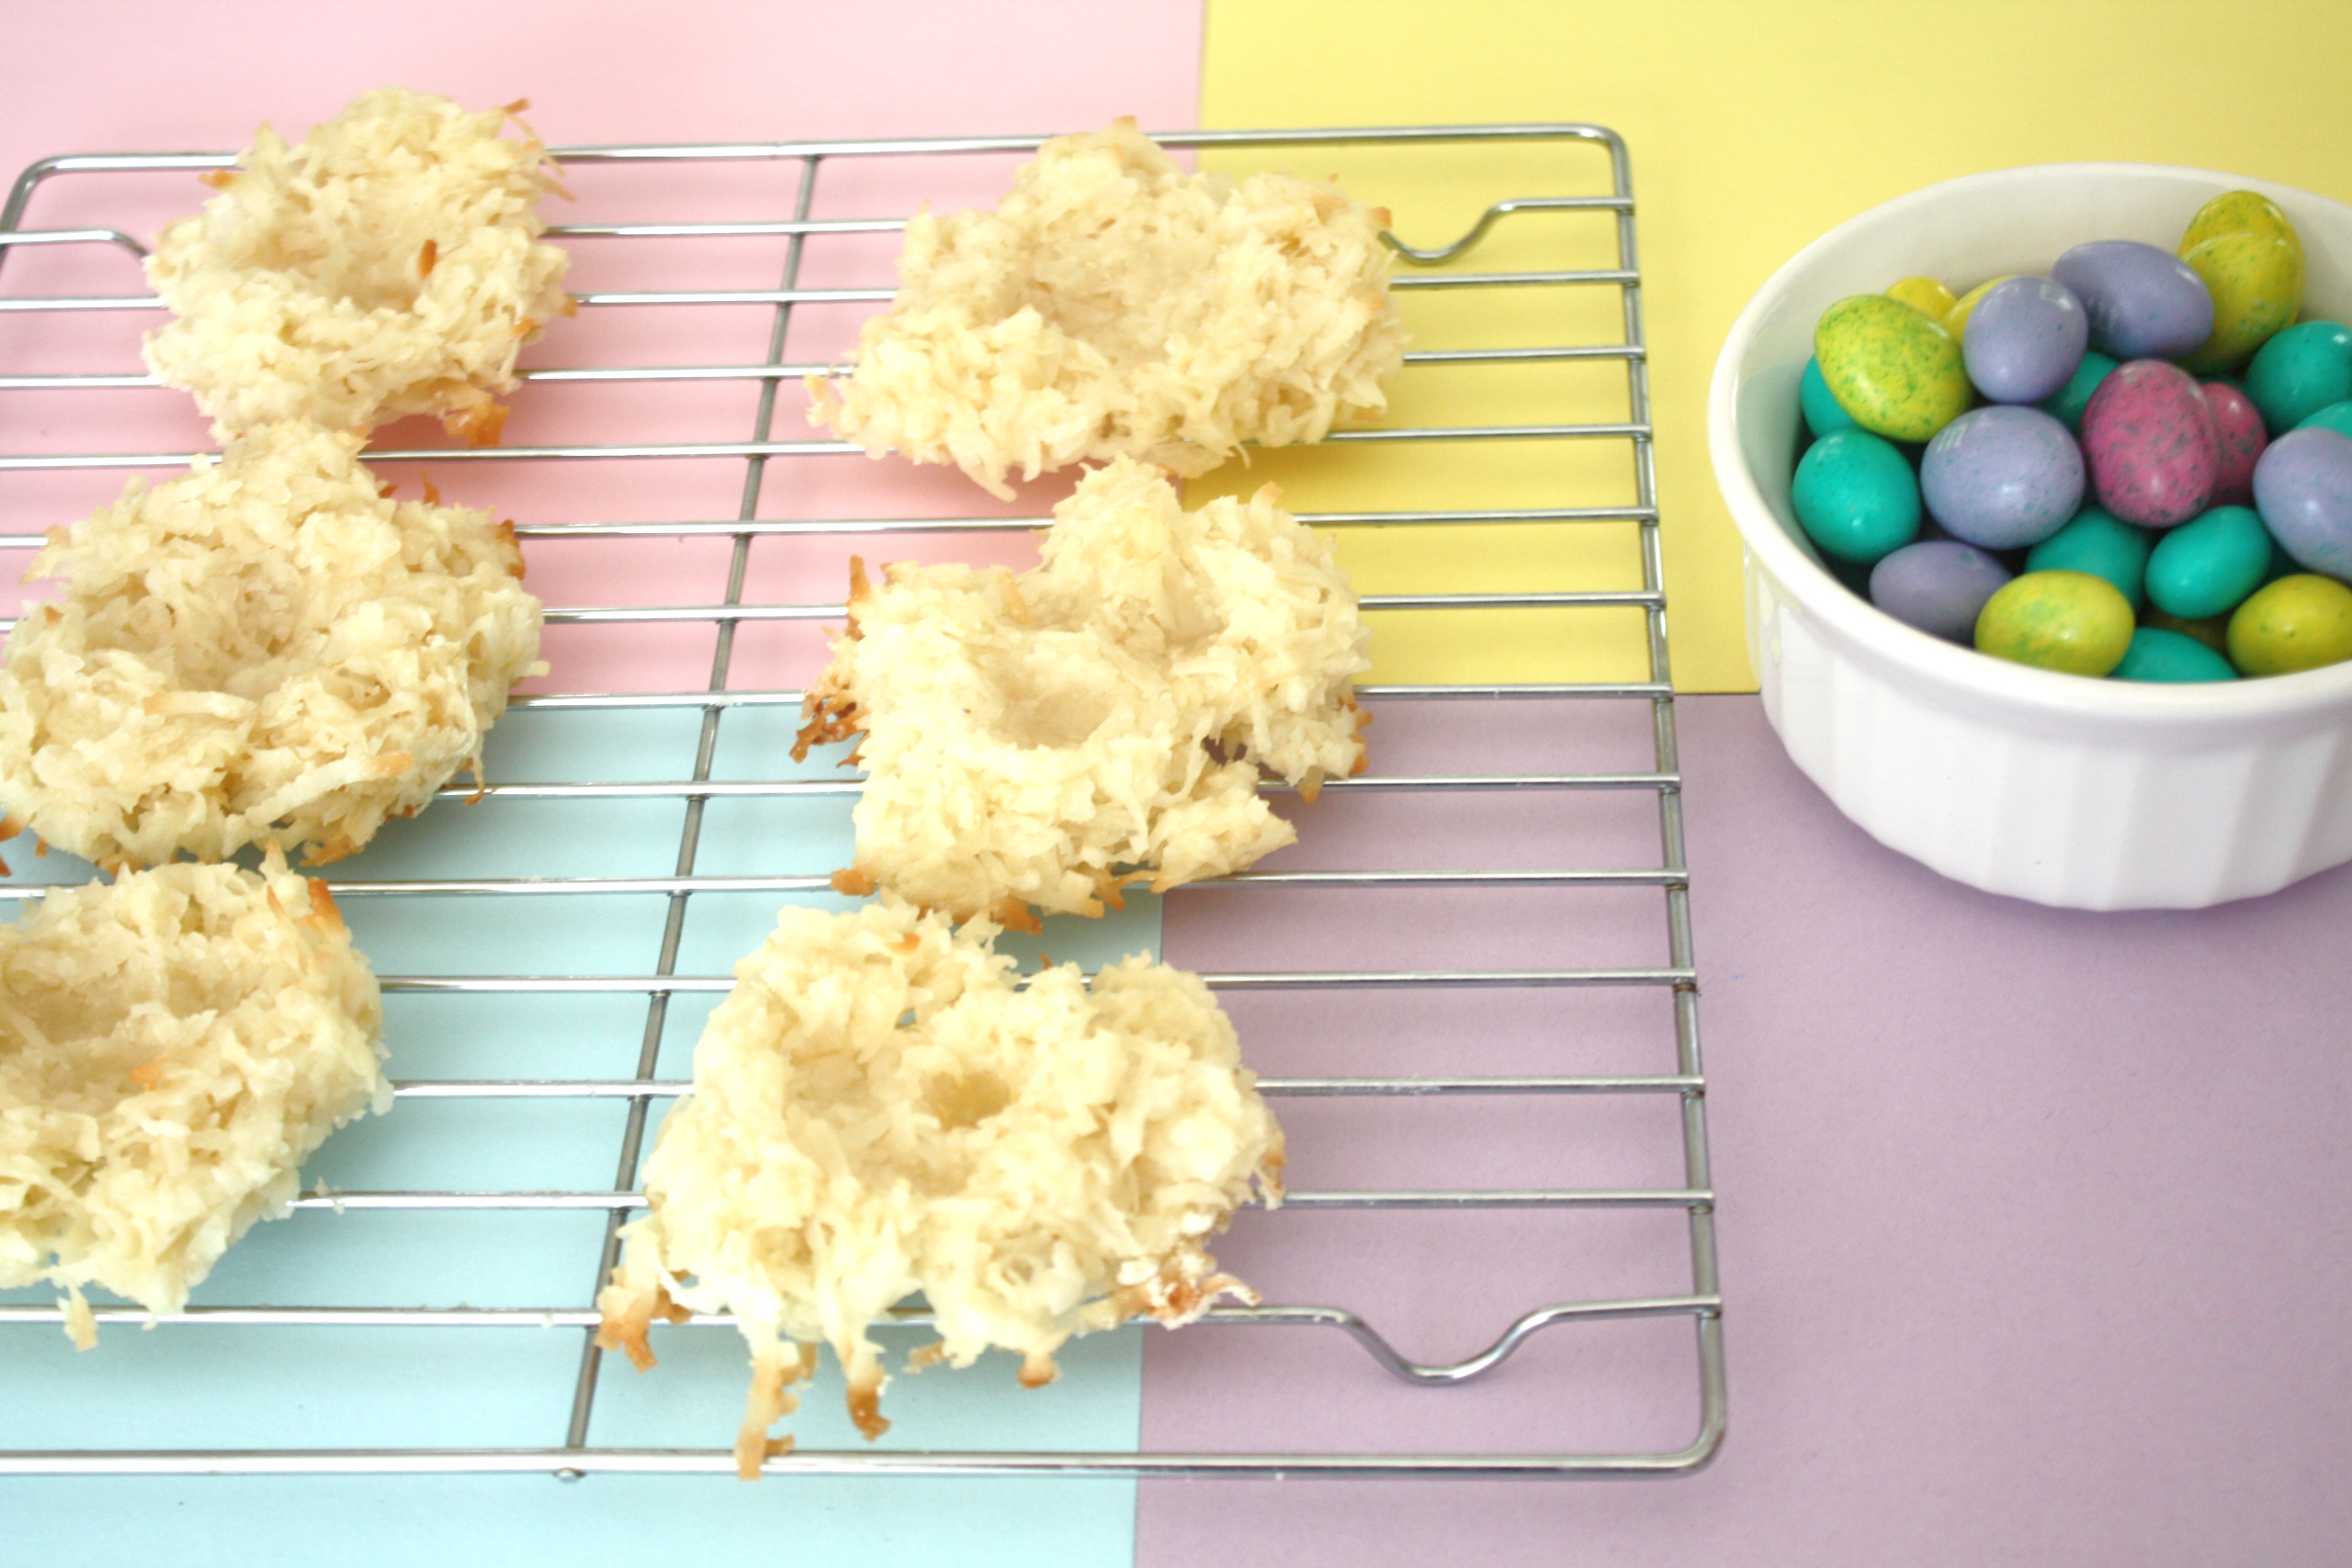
(1892, 366)
(2104, 546)
(2296, 623)
(2025, 340)
(2002, 476)
(2067, 621)
(2335, 416)
(2252, 261)
(2143, 304)
(2151, 443)
(1928, 294)
(1855, 496)
(2303, 487)
(2237, 425)
(1938, 585)
(2159, 654)
(2299, 372)
(2207, 566)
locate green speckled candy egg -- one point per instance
(2256, 281)
(2159, 655)
(2067, 621)
(2234, 212)
(2074, 397)
(1892, 366)
(1856, 497)
(2297, 623)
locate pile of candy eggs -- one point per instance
(2037, 468)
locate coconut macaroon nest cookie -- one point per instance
(388, 264)
(878, 1110)
(172, 1047)
(1116, 304)
(1041, 740)
(265, 647)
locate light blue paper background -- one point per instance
(177, 1386)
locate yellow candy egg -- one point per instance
(2296, 623)
(1892, 366)
(1956, 320)
(2252, 261)
(1925, 294)
(2238, 212)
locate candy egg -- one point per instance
(1823, 414)
(2304, 488)
(2025, 339)
(2299, 372)
(1890, 366)
(2153, 449)
(2100, 544)
(2335, 416)
(1926, 294)
(2159, 654)
(2001, 477)
(2256, 281)
(2067, 621)
(2233, 211)
(2143, 304)
(1938, 585)
(2296, 623)
(2067, 406)
(2237, 425)
(1855, 496)
(2209, 566)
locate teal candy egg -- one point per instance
(2208, 566)
(1823, 416)
(1856, 497)
(2300, 371)
(2159, 654)
(2067, 404)
(2099, 542)
(2335, 416)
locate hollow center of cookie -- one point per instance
(1043, 701)
(967, 1099)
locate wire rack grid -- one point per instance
(571, 1452)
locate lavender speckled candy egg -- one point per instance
(2154, 450)
(1938, 585)
(2002, 476)
(2143, 303)
(2303, 488)
(2238, 426)
(2025, 339)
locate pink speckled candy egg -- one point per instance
(2239, 423)
(2151, 443)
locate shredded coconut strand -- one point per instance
(172, 1047)
(265, 646)
(1115, 304)
(1040, 738)
(879, 1110)
(388, 264)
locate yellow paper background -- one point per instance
(1753, 127)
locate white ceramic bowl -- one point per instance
(2102, 795)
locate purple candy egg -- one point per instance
(2154, 447)
(2024, 339)
(1938, 585)
(2143, 303)
(2238, 426)
(2303, 488)
(2002, 476)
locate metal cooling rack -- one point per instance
(574, 1455)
